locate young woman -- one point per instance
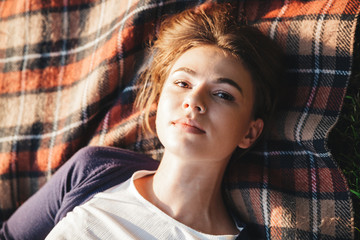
(214, 84)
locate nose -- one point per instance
(195, 101)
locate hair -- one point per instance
(213, 25)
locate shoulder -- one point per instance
(99, 152)
(95, 169)
(95, 157)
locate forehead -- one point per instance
(211, 62)
(211, 58)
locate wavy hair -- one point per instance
(213, 25)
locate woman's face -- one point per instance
(205, 107)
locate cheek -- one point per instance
(168, 101)
(159, 126)
(163, 114)
(163, 104)
(159, 115)
(233, 125)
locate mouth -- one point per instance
(188, 125)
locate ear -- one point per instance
(255, 130)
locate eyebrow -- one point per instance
(185, 69)
(219, 80)
(230, 82)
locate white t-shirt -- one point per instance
(122, 213)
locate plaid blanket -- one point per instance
(68, 70)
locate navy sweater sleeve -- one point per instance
(89, 171)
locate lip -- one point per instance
(189, 125)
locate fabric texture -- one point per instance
(90, 171)
(67, 79)
(108, 213)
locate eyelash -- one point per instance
(226, 96)
(180, 82)
(221, 94)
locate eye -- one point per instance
(182, 84)
(224, 95)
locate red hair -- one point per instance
(213, 24)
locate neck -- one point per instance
(181, 187)
(181, 183)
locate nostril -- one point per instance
(201, 109)
(198, 108)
